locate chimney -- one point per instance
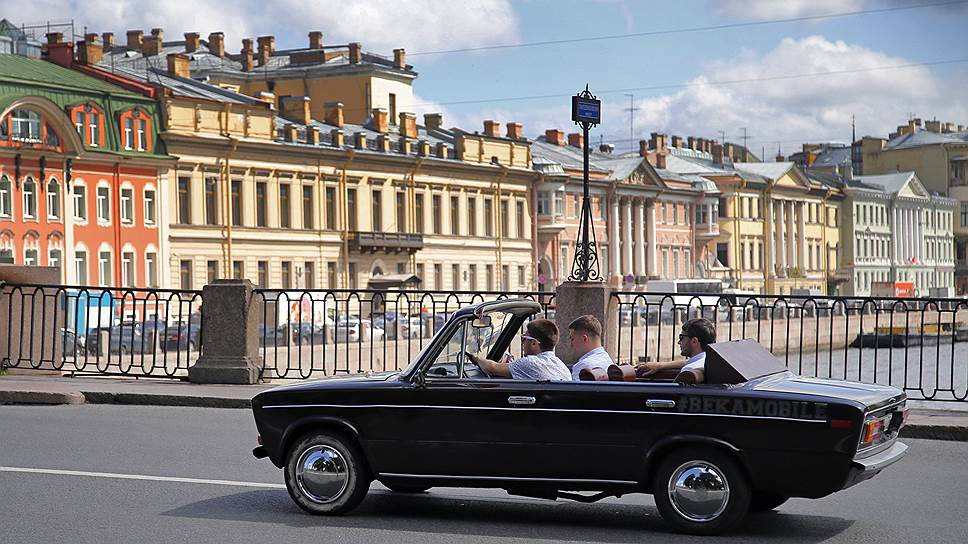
(58, 51)
(729, 152)
(315, 40)
(555, 136)
(408, 125)
(442, 150)
(267, 45)
(312, 135)
(245, 57)
(356, 53)
(917, 122)
(107, 41)
(289, 131)
(359, 140)
(267, 97)
(158, 33)
(644, 149)
(380, 123)
(178, 65)
(151, 46)
(933, 126)
(89, 51)
(433, 121)
(383, 143)
(334, 114)
(400, 58)
(515, 131)
(691, 142)
(961, 128)
(216, 44)
(336, 137)
(660, 160)
(779, 156)
(192, 41)
(677, 142)
(135, 39)
(296, 109)
(607, 148)
(54, 38)
(404, 145)
(912, 125)
(492, 128)
(576, 139)
(717, 153)
(423, 148)
(658, 142)
(949, 128)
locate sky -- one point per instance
(771, 78)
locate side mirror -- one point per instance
(482, 322)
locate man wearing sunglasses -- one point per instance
(695, 336)
(538, 360)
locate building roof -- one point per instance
(18, 69)
(184, 87)
(769, 170)
(832, 156)
(886, 183)
(922, 137)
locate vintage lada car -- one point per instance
(749, 437)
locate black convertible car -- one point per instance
(751, 436)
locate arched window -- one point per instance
(25, 126)
(31, 249)
(89, 122)
(53, 199)
(7, 249)
(105, 265)
(30, 198)
(135, 130)
(6, 197)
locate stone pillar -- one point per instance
(802, 234)
(653, 257)
(32, 337)
(919, 239)
(573, 299)
(627, 237)
(791, 241)
(614, 246)
(230, 334)
(781, 249)
(894, 239)
(769, 267)
(639, 249)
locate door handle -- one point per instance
(520, 400)
(660, 403)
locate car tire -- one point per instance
(762, 501)
(404, 488)
(723, 501)
(326, 474)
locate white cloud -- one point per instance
(380, 25)
(761, 10)
(801, 109)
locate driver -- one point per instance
(538, 361)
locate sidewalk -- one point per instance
(16, 388)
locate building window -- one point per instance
(79, 123)
(563, 263)
(352, 278)
(393, 108)
(284, 206)
(261, 206)
(142, 135)
(6, 197)
(307, 206)
(401, 205)
(185, 274)
(576, 205)
(236, 195)
(472, 216)
(128, 132)
(211, 200)
(286, 275)
(151, 269)
(30, 256)
(489, 277)
(104, 268)
(263, 273)
(184, 200)
(455, 216)
(53, 199)
(435, 213)
(25, 126)
(331, 281)
(377, 211)
(438, 277)
(127, 205)
(519, 218)
(80, 267)
(238, 269)
(94, 122)
(455, 277)
(103, 204)
(149, 207)
(211, 271)
(505, 277)
(127, 269)
(722, 253)
(30, 199)
(331, 208)
(472, 277)
(560, 202)
(419, 213)
(309, 275)
(351, 209)
(488, 217)
(505, 223)
(544, 203)
(521, 280)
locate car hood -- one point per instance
(872, 396)
(336, 382)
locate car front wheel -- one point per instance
(326, 474)
(701, 491)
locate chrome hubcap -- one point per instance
(321, 474)
(698, 491)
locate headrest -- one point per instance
(739, 361)
(594, 374)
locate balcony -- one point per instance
(707, 230)
(551, 223)
(387, 242)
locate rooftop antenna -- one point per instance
(745, 138)
(853, 130)
(631, 109)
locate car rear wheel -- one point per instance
(701, 491)
(763, 502)
(326, 474)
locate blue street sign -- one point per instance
(586, 110)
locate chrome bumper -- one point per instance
(867, 467)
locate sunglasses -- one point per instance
(526, 338)
(683, 336)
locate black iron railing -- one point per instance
(918, 345)
(113, 331)
(321, 332)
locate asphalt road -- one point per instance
(922, 498)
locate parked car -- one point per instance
(354, 329)
(310, 333)
(71, 343)
(182, 336)
(396, 326)
(749, 438)
(123, 338)
(273, 336)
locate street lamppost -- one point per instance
(586, 112)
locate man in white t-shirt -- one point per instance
(695, 336)
(538, 361)
(585, 336)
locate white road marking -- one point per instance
(139, 477)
